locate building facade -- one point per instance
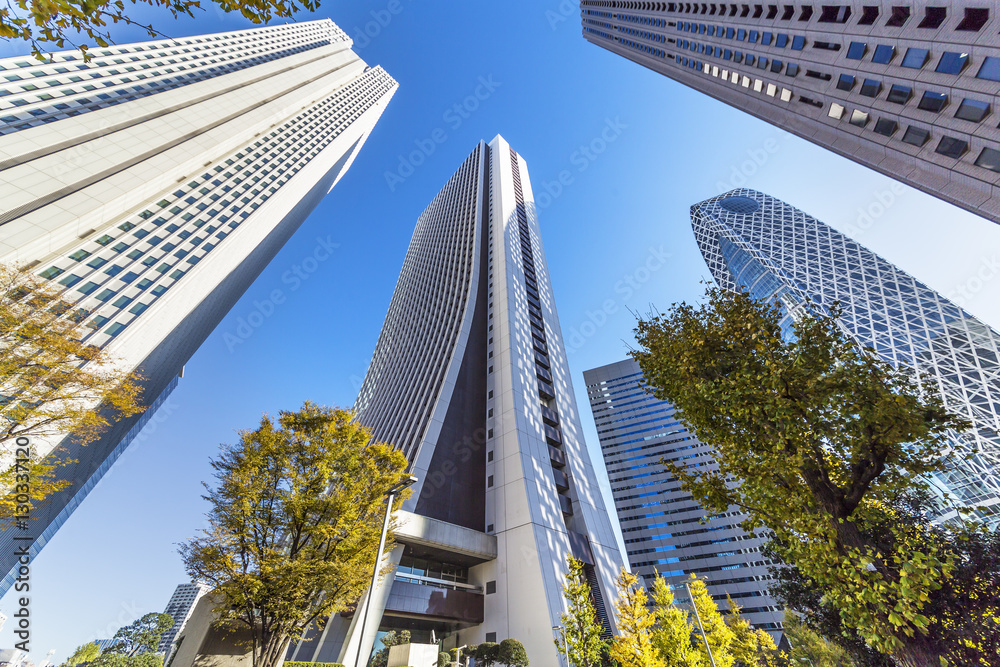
(907, 89)
(666, 532)
(153, 183)
(470, 380)
(179, 608)
(754, 242)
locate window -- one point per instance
(990, 69)
(762, 63)
(792, 69)
(491, 588)
(122, 301)
(899, 94)
(975, 18)
(87, 288)
(915, 58)
(781, 41)
(105, 295)
(871, 88)
(70, 280)
(158, 290)
(898, 17)
(115, 329)
(859, 118)
(886, 127)
(138, 308)
(807, 12)
(97, 322)
(916, 136)
(765, 39)
(989, 159)
(798, 42)
(972, 110)
(51, 272)
(489, 456)
(933, 17)
(952, 147)
(836, 111)
(845, 82)
(144, 283)
(97, 262)
(491, 636)
(776, 66)
(105, 240)
(79, 255)
(932, 101)
(952, 62)
(857, 50)
(884, 53)
(489, 482)
(869, 14)
(834, 14)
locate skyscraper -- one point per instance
(666, 532)
(179, 608)
(905, 90)
(754, 242)
(470, 380)
(152, 184)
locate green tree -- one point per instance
(673, 635)
(443, 659)
(511, 653)
(580, 632)
(720, 636)
(487, 654)
(121, 660)
(634, 645)
(295, 520)
(54, 384)
(810, 646)
(750, 647)
(49, 23)
(142, 636)
(83, 654)
(389, 639)
(818, 433)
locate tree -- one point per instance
(295, 520)
(817, 433)
(443, 659)
(720, 637)
(672, 638)
(83, 654)
(487, 654)
(810, 646)
(54, 22)
(53, 384)
(511, 653)
(581, 631)
(389, 639)
(142, 636)
(634, 645)
(750, 647)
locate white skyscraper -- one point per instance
(179, 608)
(153, 184)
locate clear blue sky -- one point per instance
(116, 559)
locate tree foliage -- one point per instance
(48, 23)
(818, 435)
(388, 640)
(51, 384)
(809, 646)
(295, 520)
(142, 636)
(487, 654)
(580, 633)
(634, 646)
(83, 654)
(511, 653)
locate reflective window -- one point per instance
(792, 69)
(846, 82)
(915, 58)
(886, 126)
(973, 110)
(781, 41)
(952, 62)
(952, 147)
(990, 69)
(871, 88)
(989, 159)
(765, 39)
(798, 42)
(899, 94)
(884, 53)
(857, 50)
(932, 101)
(916, 136)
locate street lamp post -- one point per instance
(700, 626)
(557, 628)
(391, 496)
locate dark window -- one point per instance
(822, 76)
(491, 636)
(105, 240)
(975, 18)
(973, 110)
(898, 17)
(489, 481)
(857, 50)
(792, 69)
(884, 53)
(806, 14)
(789, 13)
(915, 58)
(491, 588)
(916, 136)
(845, 82)
(489, 528)
(932, 101)
(776, 66)
(899, 94)
(952, 62)
(886, 127)
(70, 280)
(952, 147)
(762, 63)
(869, 14)
(489, 456)
(798, 42)
(826, 46)
(989, 159)
(990, 69)
(871, 88)
(88, 288)
(834, 14)
(751, 58)
(933, 17)
(772, 11)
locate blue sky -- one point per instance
(553, 94)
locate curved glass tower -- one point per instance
(755, 242)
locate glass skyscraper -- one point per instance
(754, 242)
(151, 184)
(907, 89)
(666, 532)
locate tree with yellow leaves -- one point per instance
(634, 646)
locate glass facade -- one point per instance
(779, 253)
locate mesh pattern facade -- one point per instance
(778, 252)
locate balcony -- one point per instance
(562, 479)
(542, 360)
(550, 416)
(556, 458)
(552, 435)
(543, 374)
(566, 505)
(410, 600)
(545, 390)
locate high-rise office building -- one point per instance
(666, 532)
(754, 242)
(905, 89)
(179, 608)
(470, 380)
(152, 184)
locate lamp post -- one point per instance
(391, 496)
(557, 628)
(700, 626)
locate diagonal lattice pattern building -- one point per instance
(754, 242)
